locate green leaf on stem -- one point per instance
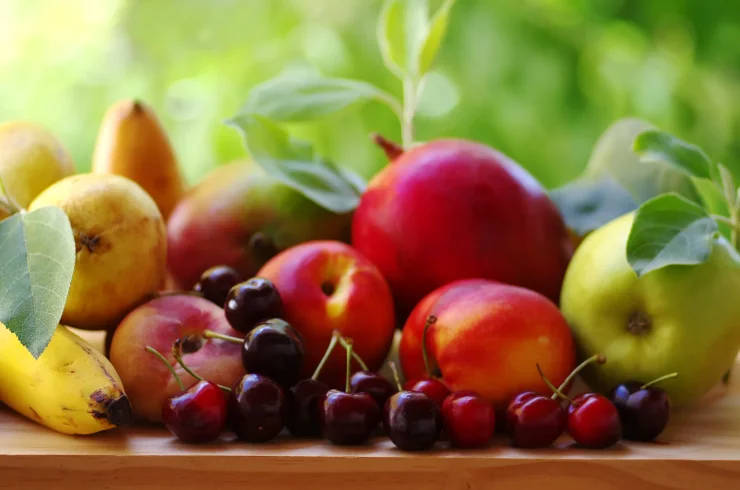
(37, 259)
(714, 202)
(302, 98)
(402, 27)
(295, 163)
(669, 230)
(435, 34)
(664, 147)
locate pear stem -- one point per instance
(210, 334)
(658, 380)
(355, 355)
(597, 358)
(154, 351)
(396, 377)
(332, 344)
(178, 357)
(556, 391)
(348, 346)
(431, 319)
(9, 203)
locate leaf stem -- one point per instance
(409, 110)
(154, 351)
(729, 190)
(391, 102)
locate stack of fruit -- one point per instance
(224, 303)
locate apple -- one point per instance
(683, 319)
(488, 337)
(325, 286)
(455, 209)
(240, 216)
(158, 323)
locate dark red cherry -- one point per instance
(303, 407)
(274, 349)
(469, 421)
(412, 420)
(644, 412)
(348, 418)
(534, 421)
(197, 414)
(251, 302)
(433, 388)
(215, 283)
(374, 385)
(256, 408)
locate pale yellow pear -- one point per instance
(121, 243)
(31, 159)
(132, 143)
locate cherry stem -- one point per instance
(178, 357)
(355, 355)
(597, 358)
(210, 334)
(658, 380)
(556, 391)
(332, 343)
(348, 346)
(154, 351)
(396, 377)
(431, 319)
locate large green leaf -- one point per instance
(435, 34)
(669, 230)
(303, 98)
(664, 147)
(37, 259)
(295, 163)
(402, 27)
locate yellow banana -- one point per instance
(72, 388)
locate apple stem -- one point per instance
(154, 351)
(396, 377)
(332, 343)
(178, 357)
(391, 149)
(658, 380)
(164, 294)
(10, 204)
(355, 355)
(210, 334)
(348, 346)
(597, 358)
(431, 319)
(556, 391)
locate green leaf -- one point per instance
(37, 258)
(309, 97)
(664, 147)
(669, 230)
(402, 27)
(435, 35)
(714, 202)
(295, 163)
(589, 204)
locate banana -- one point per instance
(72, 388)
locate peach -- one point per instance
(327, 285)
(158, 324)
(488, 338)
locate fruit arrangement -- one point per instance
(442, 301)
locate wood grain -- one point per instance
(699, 450)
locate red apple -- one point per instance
(488, 338)
(455, 209)
(158, 324)
(328, 285)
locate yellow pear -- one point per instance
(31, 159)
(121, 243)
(133, 144)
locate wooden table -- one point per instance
(699, 450)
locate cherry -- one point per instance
(256, 408)
(304, 398)
(469, 420)
(374, 385)
(593, 421)
(433, 387)
(348, 418)
(534, 421)
(195, 415)
(216, 282)
(251, 302)
(643, 409)
(411, 419)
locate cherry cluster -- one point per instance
(414, 416)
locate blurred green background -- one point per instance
(538, 79)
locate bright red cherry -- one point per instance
(196, 415)
(534, 420)
(433, 388)
(469, 421)
(593, 421)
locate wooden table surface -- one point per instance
(699, 450)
